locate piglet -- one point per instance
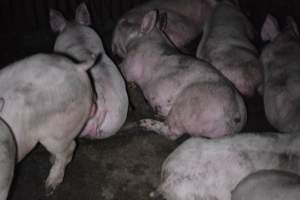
(189, 94)
(47, 100)
(81, 42)
(227, 45)
(7, 156)
(185, 22)
(281, 60)
(268, 185)
(210, 169)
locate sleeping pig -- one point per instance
(7, 156)
(185, 19)
(189, 94)
(47, 100)
(81, 42)
(227, 45)
(281, 60)
(268, 185)
(210, 169)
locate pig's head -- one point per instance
(76, 39)
(126, 30)
(271, 30)
(129, 30)
(281, 41)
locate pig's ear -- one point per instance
(57, 21)
(162, 21)
(270, 29)
(2, 102)
(83, 15)
(292, 25)
(149, 21)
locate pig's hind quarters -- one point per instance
(207, 109)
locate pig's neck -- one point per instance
(151, 53)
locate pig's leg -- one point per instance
(61, 153)
(158, 127)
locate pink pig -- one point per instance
(77, 40)
(185, 19)
(191, 96)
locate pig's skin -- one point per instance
(281, 60)
(227, 45)
(190, 94)
(268, 185)
(210, 169)
(7, 158)
(185, 18)
(81, 42)
(47, 100)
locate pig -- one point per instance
(77, 40)
(48, 100)
(227, 45)
(281, 63)
(7, 156)
(268, 185)
(185, 19)
(209, 169)
(188, 94)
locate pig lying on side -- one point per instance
(47, 100)
(79, 41)
(191, 95)
(210, 169)
(7, 156)
(226, 44)
(281, 60)
(268, 185)
(184, 18)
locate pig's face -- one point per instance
(75, 38)
(126, 29)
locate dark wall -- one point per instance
(25, 27)
(29, 15)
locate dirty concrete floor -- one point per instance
(123, 167)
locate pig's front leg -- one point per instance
(62, 153)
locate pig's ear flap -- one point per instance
(2, 102)
(270, 28)
(83, 15)
(291, 24)
(162, 21)
(57, 21)
(149, 21)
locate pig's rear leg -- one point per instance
(158, 127)
(62, 153)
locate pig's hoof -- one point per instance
(49, 191)
(51, 184)
(131, 85)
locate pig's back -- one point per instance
(40, 88)
(268, 185)
(212, 168)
